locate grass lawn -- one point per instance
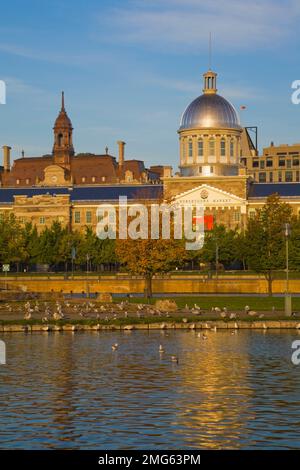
(232, 303)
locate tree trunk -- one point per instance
(270, 283)
(148, 289)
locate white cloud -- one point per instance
(182, 25)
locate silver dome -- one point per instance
(210, 110)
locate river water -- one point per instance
(71, 391)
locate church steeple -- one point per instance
(63, 145)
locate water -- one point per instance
(71, 391)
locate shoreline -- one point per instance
(204, 325)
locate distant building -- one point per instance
(64, 168)
(278, 164)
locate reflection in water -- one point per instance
(66, 390)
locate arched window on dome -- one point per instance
(231, 148)
(211, 147)
(223, 147)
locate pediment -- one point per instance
(209, 196)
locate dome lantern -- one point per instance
(210, 82)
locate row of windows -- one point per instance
(268, 163)
(83, 180)
(287, 176)
(211, 148)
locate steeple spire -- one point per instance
(63, 101)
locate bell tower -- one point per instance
(63, 145)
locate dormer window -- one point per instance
(18, 181)
(27, 180)
(93, 179)
(83, 179)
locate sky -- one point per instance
(129, 68)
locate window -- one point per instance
(296, 162)
(252, 214)
(103, 178)
(77, 217)
(223, 147)
(83, 179)
(211, 169)
(93, 179)
(255, 164)
(211, 147)
(289, 163)
(17, 181)
(200, 169)
(271, 177)
(288, 176)
(280, 176)
(281, 163)
(236, 216)
(232, 148)
(269, 162)
(262, 164)
(88, 217)
(190, 149)
(42, 220)
(262, 177)
(59, 140)
(200, 148)
(27, 180)
(297, 176)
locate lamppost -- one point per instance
(287, 298)
(87, 272)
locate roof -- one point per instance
(210, 110)
(87, 193)
(266, 189)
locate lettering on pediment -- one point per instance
(209, 196)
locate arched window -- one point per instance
(211, 147)
(223, 147)
(200, 148)
(59, 140)
(232, 148)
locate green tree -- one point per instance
(264, 238)
(219, 243)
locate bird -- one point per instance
(247, 308)
(174, 359)
(232, 316)
(214, 328)
(161, 349)
(252, 313)
(115, 346)
(204, 336)
(233, 332)
(27, 316)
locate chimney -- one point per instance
(167, 172)
(121, 152)
(6, 157)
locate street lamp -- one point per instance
(287, 297)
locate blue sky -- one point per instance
(129, 68)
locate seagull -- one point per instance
(161, 349)
(115, 346)
(174, 359)
(27, 316)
